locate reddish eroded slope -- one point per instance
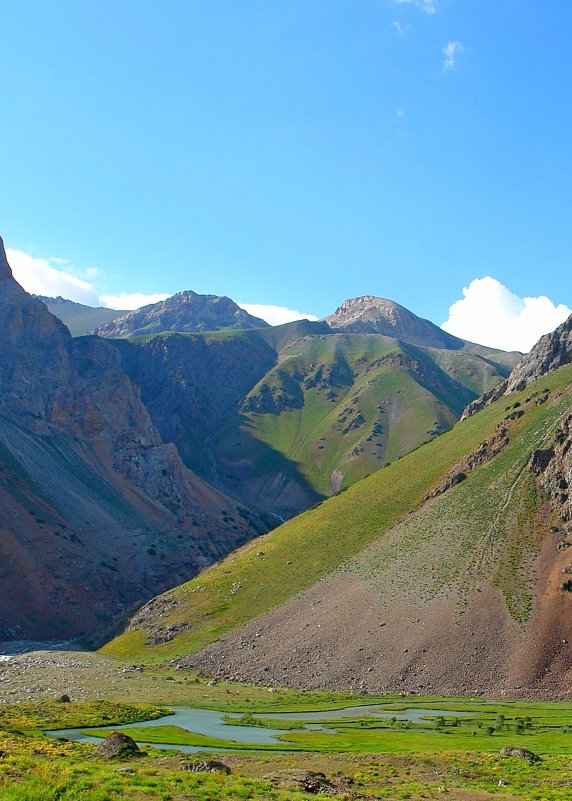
(469, 594)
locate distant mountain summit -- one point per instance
(183, 312)
(80, 319)
(371, 315)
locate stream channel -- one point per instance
(211, 723)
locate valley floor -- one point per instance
(354, 756)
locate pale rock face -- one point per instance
(372, 315)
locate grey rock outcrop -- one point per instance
(552, 351)
(117, 746)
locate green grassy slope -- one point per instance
(315, 543)
(81, 319)
(285, 416)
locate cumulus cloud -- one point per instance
(275, 315)
(490, 314)
(131, 300)
(46, 276)
(42, 276)
(450, 52)
(429, 6)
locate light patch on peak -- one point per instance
(490, 314)
(275, 315)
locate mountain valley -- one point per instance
(191, 442)
(445, 572)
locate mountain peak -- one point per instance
(369, 314)
(186, 311)
(5, 271)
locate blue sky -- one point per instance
(292, 153)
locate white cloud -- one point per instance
(130, 300)
(275, 315)
(399, 114)
(429, 6)
(44, 276)
(41, 277)
(490, 314)
(450, 52)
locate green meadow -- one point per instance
(362, 757)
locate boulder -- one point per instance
(520, 753)
(118, 746)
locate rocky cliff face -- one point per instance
(554, 466)
(552, 351)
(371, 315)
(97, 512)
(186, 311)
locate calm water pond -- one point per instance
(211, 723)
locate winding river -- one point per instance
(210, 722)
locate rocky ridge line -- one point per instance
(184, 312)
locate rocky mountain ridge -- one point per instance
(552, 351)
(98, 513)
(372, 315)
(184, 312)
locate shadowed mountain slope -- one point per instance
(97, 512)
(283, 417)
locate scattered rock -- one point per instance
(486, 451)
(118, 746)
(313, 782)
(124, 770)
(207, 766)
(520, 753)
